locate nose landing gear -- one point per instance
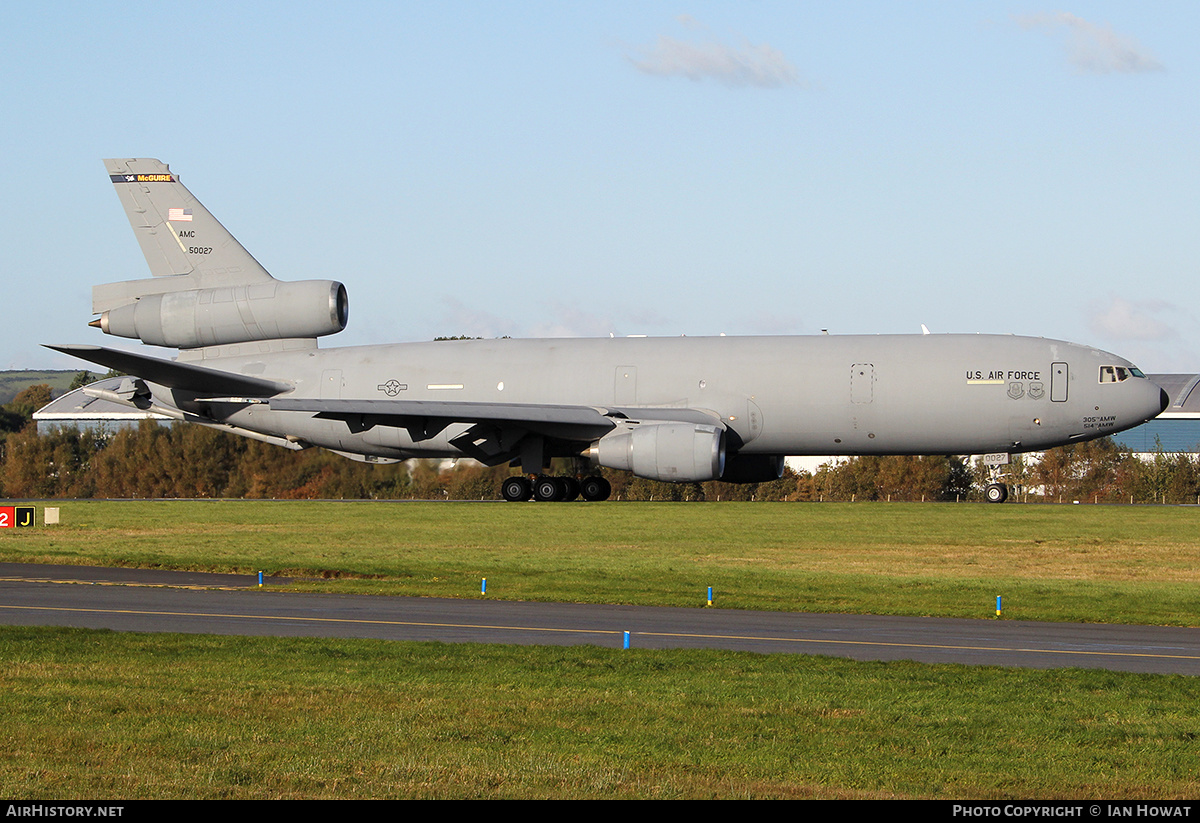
(995, 491)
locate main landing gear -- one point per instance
(544, 488)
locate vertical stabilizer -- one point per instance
(182, 242)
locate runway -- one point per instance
(161, 601)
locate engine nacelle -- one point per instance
(753, 468)
(236, 314)
(676, 452)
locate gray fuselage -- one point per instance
(817, 395)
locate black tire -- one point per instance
(547, 490)
(595, 488)
(996, 493)
(570, 488)
(516, 489)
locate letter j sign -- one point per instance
(19, 516)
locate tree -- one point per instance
(81, 379)
(29, 400)
(18, 413)
(1092, 470)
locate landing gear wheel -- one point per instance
(595, 488)
(570, 488)
(516, 489)
(547, 489)
(996, 493)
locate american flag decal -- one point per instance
(179, 215)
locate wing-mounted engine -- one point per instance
(235, 314)
(671, 451)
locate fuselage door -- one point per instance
(625, 386)
(1058, 382)
(753, 419)
(862, 382)
(331, 384)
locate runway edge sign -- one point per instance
(16, 517)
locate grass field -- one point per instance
(110, 715)
(1115, 564)
(13, 383)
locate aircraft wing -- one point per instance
(527, 414)
(175, 375)
(495, 427)
(584, 422)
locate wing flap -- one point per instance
(426, 418)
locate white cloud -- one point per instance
(1093, 48)
(1122, 319)
(771, 323)
(650, 318)
(562, 321)
(761, 66)
(571, 322)
(459, 319)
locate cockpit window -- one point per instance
(1118, 374)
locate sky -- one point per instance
(569, 169)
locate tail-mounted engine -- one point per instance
(235, 314)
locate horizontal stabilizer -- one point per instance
(176, 375)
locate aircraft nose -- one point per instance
(1150, 404)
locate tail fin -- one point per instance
(207, 291)
(183, 243)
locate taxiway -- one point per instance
(188, 602)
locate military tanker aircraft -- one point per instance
(680, 409)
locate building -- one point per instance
(1176, 430)
(77, 410)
